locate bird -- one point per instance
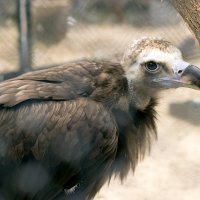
(66, 130)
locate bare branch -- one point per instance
(190, 11)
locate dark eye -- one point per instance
(152, 66)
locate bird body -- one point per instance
(71, 127)
(72, 117)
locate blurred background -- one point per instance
(44, 33)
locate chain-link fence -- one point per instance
(36, 33)
(102, 29)
(9, 57)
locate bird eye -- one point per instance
(152, 66)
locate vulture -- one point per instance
(66, 130)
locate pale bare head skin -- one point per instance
(150, 49)
(151, 65)
(142, 46)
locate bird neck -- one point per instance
(138, 96)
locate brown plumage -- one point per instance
(64, 131)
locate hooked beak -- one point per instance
(191, 77)
(184, 75)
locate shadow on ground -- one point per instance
(188, 111)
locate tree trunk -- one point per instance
(190, 12)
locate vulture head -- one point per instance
(152, 65)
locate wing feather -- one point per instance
(59, 117)
(60, 83)
(102, 81)
(35, 127)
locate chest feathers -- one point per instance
(136, 129)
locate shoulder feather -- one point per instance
(78, 79)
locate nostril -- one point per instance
(180, 71)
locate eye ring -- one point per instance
(152, 66)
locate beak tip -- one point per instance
(191, 75)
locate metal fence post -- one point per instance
(25, 42)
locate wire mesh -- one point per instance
(9, 58)
(102, 29)
(64, 30)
